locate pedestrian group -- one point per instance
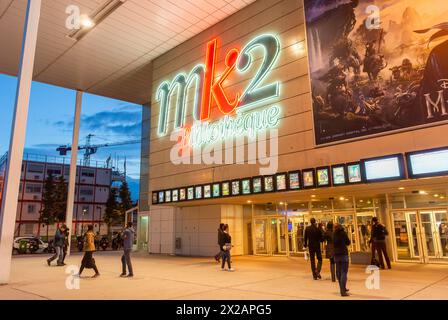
(90, 240)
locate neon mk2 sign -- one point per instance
(208, 89)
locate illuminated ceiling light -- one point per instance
(298, 48)
(422, 192)
(401, 188)
(436, 195)
(341, 198)
(94, 18)
(86, 22)
(313, 196)
(281, 203)
(249, 201)
(361, 201)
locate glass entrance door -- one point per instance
(434, 234)
(421, 235)
(270, 235)
(348, 221)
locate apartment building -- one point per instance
(92, 189)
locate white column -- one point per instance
(17, 141)
(73, 164)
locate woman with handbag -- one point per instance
(89, 247)
(227, 240)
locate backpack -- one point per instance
(380, 232)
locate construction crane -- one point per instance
(92, 149)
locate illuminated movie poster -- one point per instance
(376, 66)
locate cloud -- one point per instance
(120, 122)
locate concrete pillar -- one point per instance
(17, 141)
(73, 161)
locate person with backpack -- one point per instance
(313, 238)
(378, 242)
(58, 243)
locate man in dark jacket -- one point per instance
(221, 242)
(340, 243)
(58, 243)
(128, 243)
(313, 238)
(378, 241)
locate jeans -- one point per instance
(59, 253)
(225, 257)
(315, 252)
(218, 255)
(126, 260)
(341, 272)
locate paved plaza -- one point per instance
(187, 278)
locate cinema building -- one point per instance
(351, 139)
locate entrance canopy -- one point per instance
(113, 57)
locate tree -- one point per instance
(61, 198)
(49, 213)
(112, 212)
(125, 198)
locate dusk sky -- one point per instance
(50, 122)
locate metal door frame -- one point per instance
(420, 235)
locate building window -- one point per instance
(31, 208)
(86, 192)
(55, 171)
(85, 210)
(88, 173)
(33, 188)
(29, 228)
(36, 168)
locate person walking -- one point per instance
(66, 244)
(220, 242)
(378, 241)
(312, 241)
(227, 240)
(329, 249)
(58, 243)
(340, 243)
(89, 247)
(128, 242)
